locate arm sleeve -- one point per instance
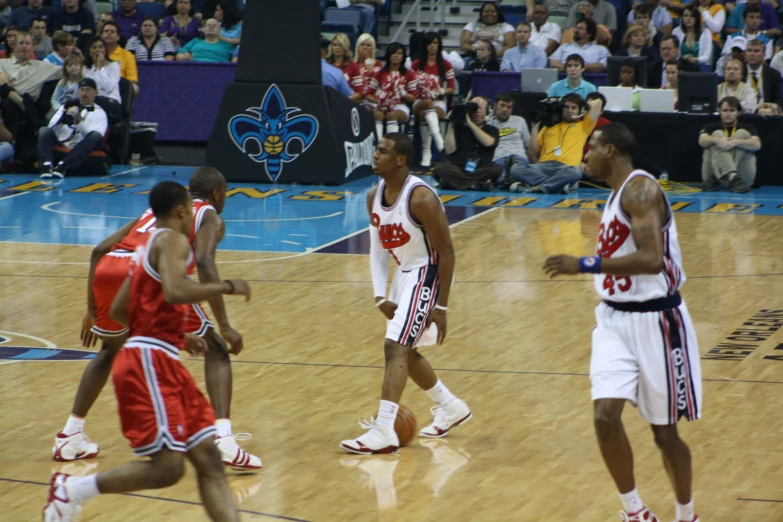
(705, 47)
(714, 23)
(541, 60)
(188, 47)
(735, 18)
(379, 263)
(56, 118)
(505, 63)
(131, 72)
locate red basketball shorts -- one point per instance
(110, 273)
(197, 321)
(159, 402)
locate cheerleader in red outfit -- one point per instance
(392, 88)
(368, 67)
(436, 81)
(340, 56)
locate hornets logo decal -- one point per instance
(272, 128)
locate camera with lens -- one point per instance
(460, 112)
(68, 118)
(550, 112)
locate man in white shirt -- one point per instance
(543, 34)
(511, 151)
(80, 127)
(594, 55)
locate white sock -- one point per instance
(632, 502)
(440, 394)
(82, 489)
(379, 129)
(392, 126)
(74, 425)
(223, 427)
(426, 140)
(684, 511)
(387, 412)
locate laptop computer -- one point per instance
(538, 80)
(617, 98)
(656, 100)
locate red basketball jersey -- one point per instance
(151, 318)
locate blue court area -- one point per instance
(287, 218)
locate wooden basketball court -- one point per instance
(517, 351)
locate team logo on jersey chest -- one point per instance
(611, 237)
(392, 235)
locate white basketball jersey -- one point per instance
(400, 235)
(615, 240)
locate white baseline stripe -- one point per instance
(14, 195)
(124, 172)
(240, 235)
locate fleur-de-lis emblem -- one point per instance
(273, 127)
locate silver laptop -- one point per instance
(656, 100)
(538, 80)
(617, 98)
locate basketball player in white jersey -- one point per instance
(644, 344)
(409, 224)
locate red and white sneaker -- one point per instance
(378, 439)
(645, 515)
(73, 447)
(695, 519)
(450, 416)
(59, 508)
(235, 457)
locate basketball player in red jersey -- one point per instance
(108, 266)
(408, 223)
(162, 412)
(644, 345)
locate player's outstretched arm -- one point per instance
(643, 201)
(89, 338)
(207, 239)
(172, 256)
(427, 209)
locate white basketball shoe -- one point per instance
(645, 515)
(450, 416)
(73, 447)
(378, 439)
(235, 457)
(695, 519)
(60, 508)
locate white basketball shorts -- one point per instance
(650, 359)
(415, 292)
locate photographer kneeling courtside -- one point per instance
(470, 146)
(79, 125)
(559, 145)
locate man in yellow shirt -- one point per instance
(111, 39)
(559, 149)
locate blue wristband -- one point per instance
(590, 265)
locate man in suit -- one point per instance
(670, 50)
(764, 80)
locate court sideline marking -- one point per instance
(14, 195)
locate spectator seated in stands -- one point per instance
(486, 58)
(670, 51)
(585, 12)
(524, 55)
(603, 12)
(62, 45)
(24, 15)
(672, 70)
(513, 139)
(42, 44)
(392, 88)
(635, 44)
(733, 86)
(78, 125)
(104, 71)
(573, 83)
(777, 62)
(149, 45)
(470, 149)
(181, 27)
(369, 66)
(111, 39)
(491, 26)
(544, 34)
(695, 42)
(6, 144)
(584, 45)
(210, 49)
(750, 32)
(764, 80)
(230, 18)
(367, 10)
(770, 25)
(128, 19)
(556, 153)
(10, 44)
(642, 16)
(74, 19)
(341, 57)
(68, 88)
(713, 17)
(659, 17)
(102, 19)
(435, 81)
(628, 80)
(729, 148)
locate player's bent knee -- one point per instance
(666, 436)
(169, 468)
(206, 458)
(393, 349)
